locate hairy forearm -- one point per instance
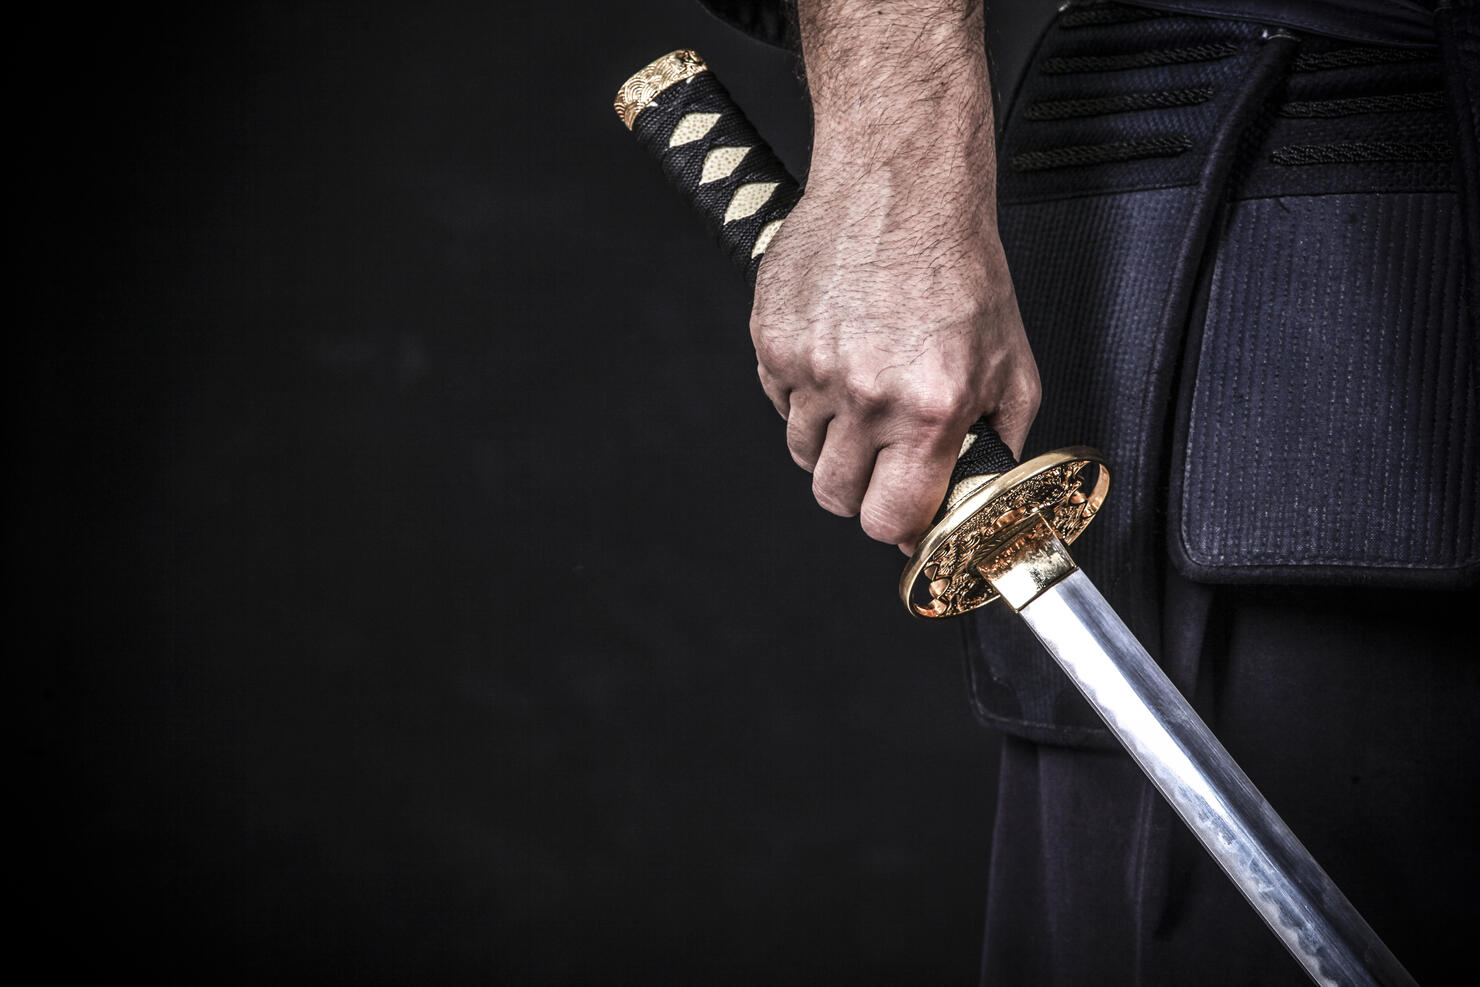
(901, 83)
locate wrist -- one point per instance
(867, 60)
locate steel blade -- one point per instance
(1177, 751)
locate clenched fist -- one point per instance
(884, 320)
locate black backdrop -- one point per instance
(408, 581)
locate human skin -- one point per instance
(884, 320)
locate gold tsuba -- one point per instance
(945, 577)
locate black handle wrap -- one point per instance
(987, 455)
(695, 121)
(693, 125)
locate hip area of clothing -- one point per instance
(1244, 256)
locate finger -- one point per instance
(1010, 420)
(806, 429)
(780, 396)
(1016, 409)
(906, 489)
(841, 476)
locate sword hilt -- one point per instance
(685, 118)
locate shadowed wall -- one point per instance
(416, 585)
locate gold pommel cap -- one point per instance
(644, 86)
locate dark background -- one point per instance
(408, 580)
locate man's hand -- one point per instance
(884, 319)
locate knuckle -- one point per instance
(1019, 405)
(936, 406)
(1031, 390)
(830, 499)
(769, 352)
(820, 362)
(885, 524)
(887, 518)
(865, 390)
(1034, 400)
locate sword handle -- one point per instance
(711, 153)
(678, 110)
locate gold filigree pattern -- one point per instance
(645, 85)
(1031, 560)
(1065, 488)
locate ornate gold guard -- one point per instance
(985, 532)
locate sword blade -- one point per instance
(1214, 797)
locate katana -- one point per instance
(1003, 533)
